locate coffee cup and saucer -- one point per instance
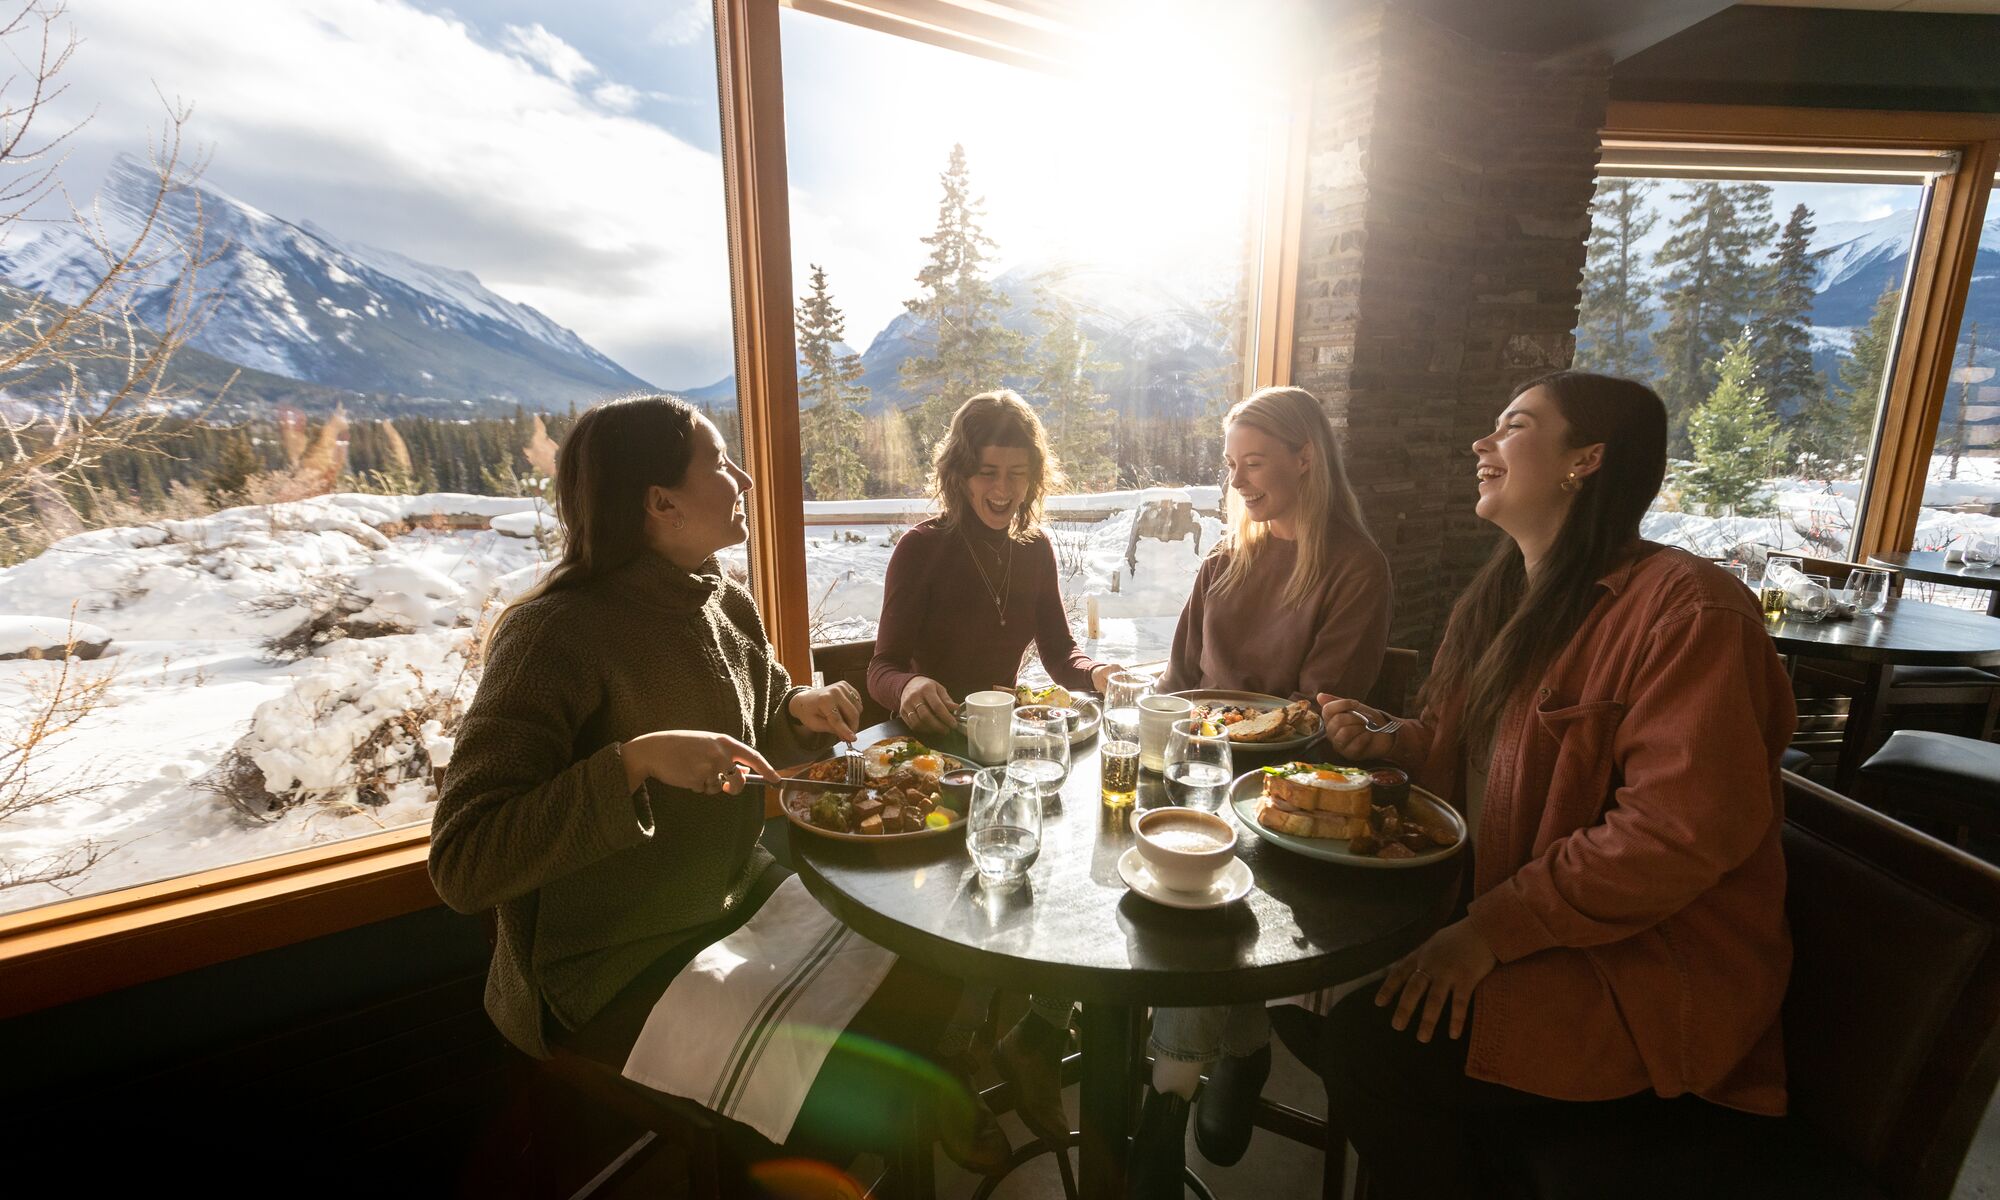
(1185, 858)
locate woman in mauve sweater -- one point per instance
(968, 590)
(594, 803)
(1608, 713)
(1294, 602)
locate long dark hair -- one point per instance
(1507, 627)
(614, 452)
(997, 418)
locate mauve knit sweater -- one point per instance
(591, 882)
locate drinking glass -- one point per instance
(1041, 752)
(1003, 829)
(1867, 589)
(1977, 553)
(1198, 768)
(1808, 605)
(1782, 562)
(1122, 693)
(1118, 770)
(1740, 570)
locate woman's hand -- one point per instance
(834, 709)
(1447, 967)
(692, 759)
(927, 708)
(1347, 735)
(1100, 676)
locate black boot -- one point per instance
(1159, 1149)
(1029, 1058)
(1223, 1110)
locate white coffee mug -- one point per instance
(1157, 715)
(989, 726)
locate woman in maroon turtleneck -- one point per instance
(968, 589)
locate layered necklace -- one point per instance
(997, 594)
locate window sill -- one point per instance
(74, 949)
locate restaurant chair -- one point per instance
(1937, 778)
(1891, 1028)
(848, 661)
(1971, 691)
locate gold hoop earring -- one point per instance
(1570, 484)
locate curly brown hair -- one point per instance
(997, 418)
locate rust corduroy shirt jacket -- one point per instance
(1627, 867)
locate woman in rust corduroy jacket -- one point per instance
(1608, 714)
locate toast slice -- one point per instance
(1279, 816)
(1303, 794)
(1266, 726)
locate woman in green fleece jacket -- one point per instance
(593, 801)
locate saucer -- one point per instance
(1231, 883)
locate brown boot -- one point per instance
(967, 1130)
(1029, 1058)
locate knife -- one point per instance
(809, 785)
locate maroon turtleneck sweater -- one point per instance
(939, 619)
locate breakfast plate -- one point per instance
(1420, 809)
(1231, 884)
(1233, 708)
(902, 773)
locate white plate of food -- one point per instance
(1347, 815)
(1089, 713)
(1257, 721)
(905, 796)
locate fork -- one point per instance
(857, 769)
(1389, 726)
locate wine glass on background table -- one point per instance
(1198, 767)
(1003, 829)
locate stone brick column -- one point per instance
(1447, 204)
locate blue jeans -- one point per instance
(1201, 1035)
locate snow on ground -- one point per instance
(195, 700)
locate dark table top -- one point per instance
(1907, 632)
(1073, 929)
(1929, 565)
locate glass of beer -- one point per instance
(1118, 760)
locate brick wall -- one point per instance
(1447, 203)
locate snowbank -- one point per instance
(49, 637)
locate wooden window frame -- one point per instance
(1940, 271)
(71, 950)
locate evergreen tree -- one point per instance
(229, 479)
(1953, 444)
(830, 399)
(1612, 324)
(1709, 287)
(1781, 346)
(1736, 440)
(1073, 409)
(1864, 371)
(959, 311)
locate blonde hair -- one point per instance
(1326, 500)
(998, 418)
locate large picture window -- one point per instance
(1763, 298)
(1085, 241)
(422, 237)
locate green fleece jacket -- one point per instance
(591, 882)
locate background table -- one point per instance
(1905, 633)
(1929, 566)
(1074, 930)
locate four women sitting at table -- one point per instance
(1606, 713)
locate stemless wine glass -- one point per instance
(1003, 829)
(1978, 552)
(1813, 603)
(1778, 563)
(1198, 768)
(1867, 589)
(1041, 751)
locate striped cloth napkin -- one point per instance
(745, 1027)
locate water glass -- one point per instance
(1977, 553)
(1811, 604)
(1867, 589)
(1198, 768)
(1003, 829)
(1122, 693)
(1740, 570)
(1777, 564)
(1041, 751)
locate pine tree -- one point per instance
(830, 399)
(1781, 346)
(229, 480)
(1954, 443)
(1073, 409)
(959, 310)
(1709, 286)
(1736, 440)
(1864, 371)
(1612, 324)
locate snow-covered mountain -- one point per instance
(1864, 258)
(300, 302)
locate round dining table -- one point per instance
(1930, 567)
(1905, 633)
(1074, 930)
